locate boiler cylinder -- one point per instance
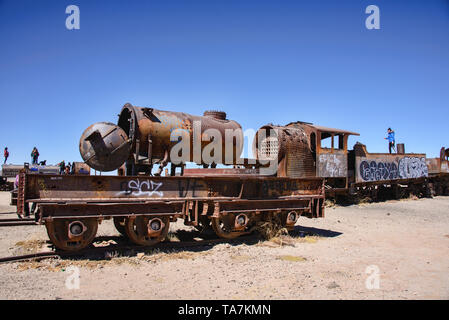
(150, 134)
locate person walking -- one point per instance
(391, 140)
(34, 155)
(6, 154)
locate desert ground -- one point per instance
(404, 244)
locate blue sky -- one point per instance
(260, 61)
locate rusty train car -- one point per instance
(310, 162)
(306, 150)
(231, 202)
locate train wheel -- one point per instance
(72, 234)
(119, 224)
(147, 231)
(223, 227)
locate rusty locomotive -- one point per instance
(306, 150)
(230, 201)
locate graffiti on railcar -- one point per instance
(136, 187)
(375, 171)
(413, 167)
(186, 186)
(332, 165)
(402, 168)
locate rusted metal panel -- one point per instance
(290, 146)
(115, 209)
(74, 210)
(260, 206)
(444, 167)
(299, 160)
(437, 166)
(333, 165)
(333, 130)
(62, 197)
(220, 171)
(60, 188)
(82, 168)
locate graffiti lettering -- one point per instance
(332, 165)
(406, 168)
(413, 167)
(185, 186)
(375, 171)
(141, 188)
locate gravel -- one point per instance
(406, 242)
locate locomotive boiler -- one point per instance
(146, 136)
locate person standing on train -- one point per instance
(391, 140)
(34, 155)
(61, 167)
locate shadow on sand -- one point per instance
(108, 247)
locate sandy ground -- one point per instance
(406, 242)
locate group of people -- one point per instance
(66, 169)
(34, 156)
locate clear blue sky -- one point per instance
(260, 61)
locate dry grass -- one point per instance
(110, 259)
(57, 265)
(271, 229)
(292, 258)
(328, 203)
(287, 240)
(173, 255)
(364, 201)
(241, 258)
(309, 239)
(283, 240)
(32, 245)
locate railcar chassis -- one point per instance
(142, 207)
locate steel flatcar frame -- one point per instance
(231, 204)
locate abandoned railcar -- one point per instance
(309, 162)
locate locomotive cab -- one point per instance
(306, 150)
(331, 156)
